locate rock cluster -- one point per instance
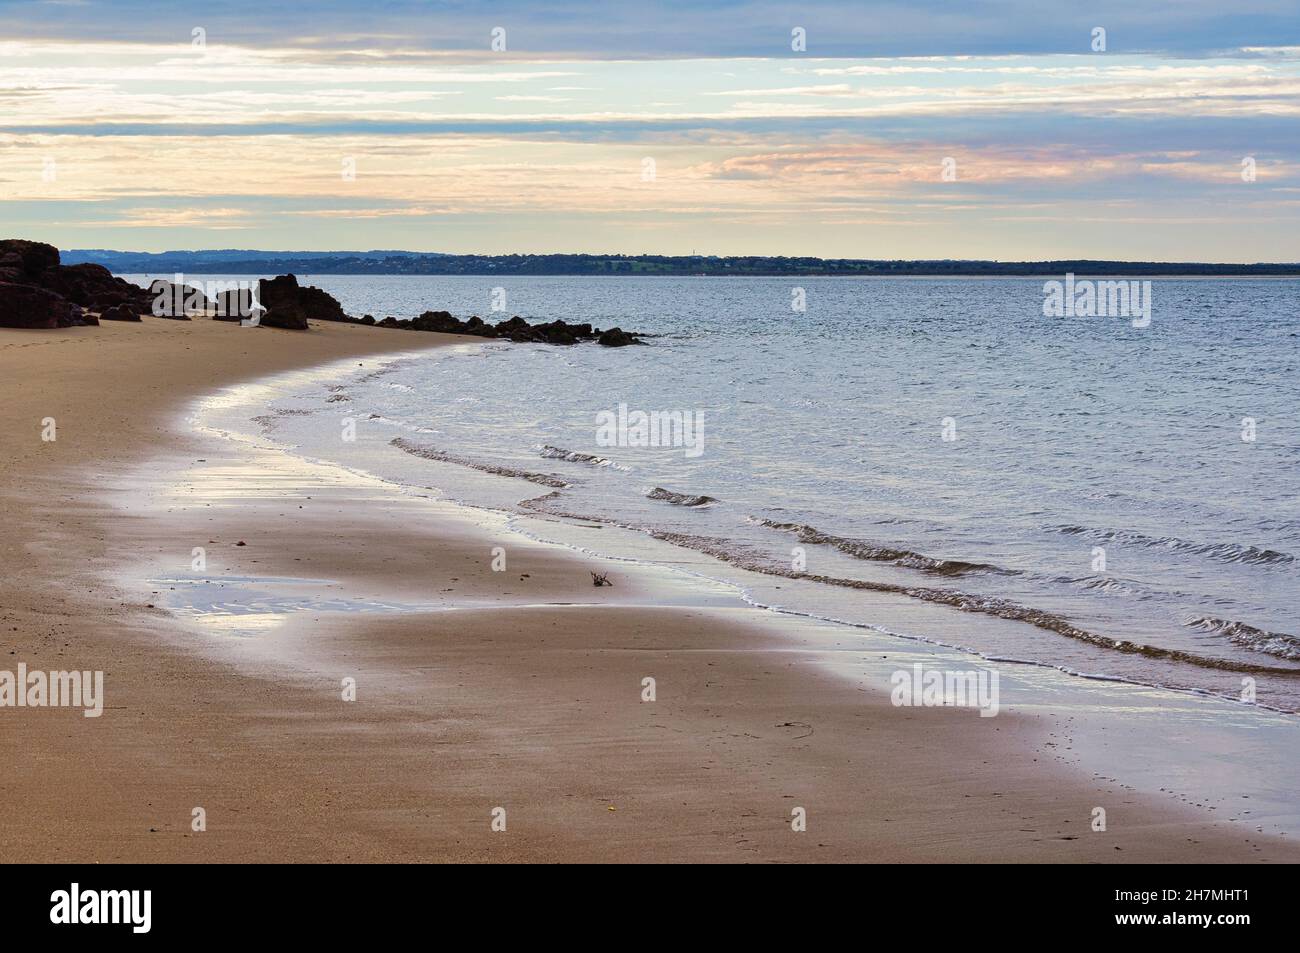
(278, 304)
(515, 329)
(37, 291)
(282, 299)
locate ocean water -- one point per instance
(934, 458)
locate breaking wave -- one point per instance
(1224, 552)
(861, 549)
(1259, 640)
(442, 456)
(575, 456)
(726, 551)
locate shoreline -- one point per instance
(752, 583)
(974, 276)
(529, 696)
(1102, 708)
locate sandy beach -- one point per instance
(519, 689)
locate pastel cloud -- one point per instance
(594, 29)
(163, 145)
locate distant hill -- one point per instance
(240, 261)
(213, 259)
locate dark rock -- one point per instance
(293, 305)
(90, 286)
(234, 305)
(441, 321)
(514, 329)
(617, 337)
(103, 302)
(320, 305)
(280, 297)
(26, 306)
(561, 332)
(176, 301)
(25, 261)
(73, 288)
(120, 312)
(514, 324)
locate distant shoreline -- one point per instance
(948, 276)
(241, 261)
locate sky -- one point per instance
(1005, 130)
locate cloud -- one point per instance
(252, 133)
(591, 29)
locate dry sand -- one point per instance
(505, 696)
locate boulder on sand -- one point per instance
(319, 305)
(235, 305)
(26, 306)
(119, 312)
(178, 301)
(23, 261)
(279, 296)
(91, 286)
(43, 293)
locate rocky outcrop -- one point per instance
(278, 304)
(26, 306)
(320, 305)
(280, 297)
(177, 301)
(92, 286)
(234, 305)
(23, 262)
(37, 291)
(119, 312)
(66, 292)
(617, 337)
(514, 329)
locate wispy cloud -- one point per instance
(353, 136)
(595, 29)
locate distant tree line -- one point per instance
(403, 263)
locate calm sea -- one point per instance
(931, 457)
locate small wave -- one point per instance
(726, 551)
(679, 499)
(1224, 552)
(432, 453)
(1103, 584)
(575, 456)
(269, 421)
(1277, 644)
(860, 549)
(755, 559)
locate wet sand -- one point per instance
(475, 689)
